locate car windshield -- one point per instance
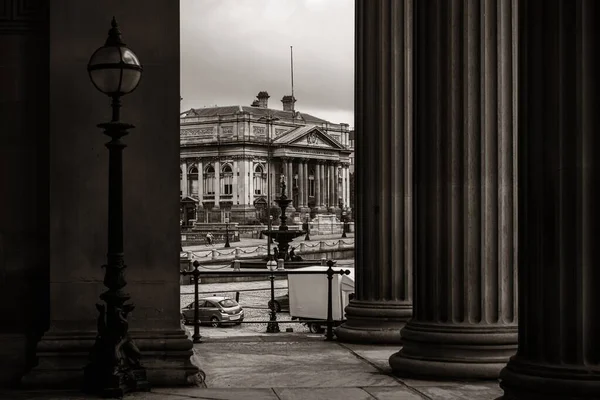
(228, 303)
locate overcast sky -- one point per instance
(232, 49)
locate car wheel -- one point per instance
(214, 321)
(315, 328)
(276, 304)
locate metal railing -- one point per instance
(272, 326)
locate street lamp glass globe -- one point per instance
(271, 265)
(114, 69)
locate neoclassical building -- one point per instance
(230, 155)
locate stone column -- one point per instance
(330, 192)
(323, 184)
(465, 307)
(251, 182)
(306, 186)
(289, 187)
(301, 184)
(318, 185)
(559, 224)
(184, 178)
(217, 183)
(346, 186)
(383, 235)
(336, 184)
(235, 182)
(200, 182)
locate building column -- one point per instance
(346, 186)
(558, 355)
(323, 184)
(465, 308)
(184, 178)
(301, 183)
(250, 182)
(200, 187)
(336, 186)
(290, 182)
(235, 183)
(305, 183)
(318, 184)
(330, 191)
(217, 183)
(383, 235)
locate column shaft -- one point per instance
(184, 178)
(323, 184)
(200, 186)
(559, 223)
(305, 183)
(301, 183)
(465, 315)
(318, 185)
(235, 182)
(383, 236)
(217, 183)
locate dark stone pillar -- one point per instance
(559, 222)
(384, 173)
(465, 315)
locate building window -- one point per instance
(193, 181)
(227, 179)
(259, 180)
(209, 180)
(311, 183)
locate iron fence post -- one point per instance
(273, 326)
(196, 274)
(330, 264)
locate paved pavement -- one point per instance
(289, 366)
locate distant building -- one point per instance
(224, 161)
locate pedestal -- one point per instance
(166, 356)
(464, 324)
(383, 263)
(559, 223)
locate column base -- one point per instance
(374, 322)
(62, 356)
(13, 353)
(454, 351)
(521, 380)
(243, 213)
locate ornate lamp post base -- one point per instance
(273, 327)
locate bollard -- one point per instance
(280, 264)
(323, 261)
(236, 265)
(214, 254)
(329, 335)
(237, 297)
(237, 252)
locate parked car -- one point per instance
(281, 303)
(215, 310)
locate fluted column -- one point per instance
(559, 223)
(465, 316)
(235, 181)
(383, 235)
(323, 184)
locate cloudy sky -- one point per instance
(232, 49)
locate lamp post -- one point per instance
(344, 224)
(115, 367)
(307, 237)
(272, 326)
(227, 232)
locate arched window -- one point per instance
(226, 179)
(193, 181)
(259, 180)
(311, 183)
(209, 180)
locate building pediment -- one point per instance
(309, 136)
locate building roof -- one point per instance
(259, 111)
